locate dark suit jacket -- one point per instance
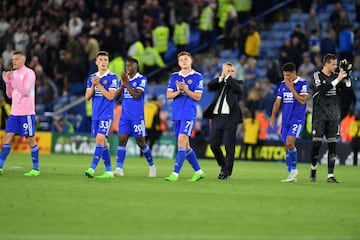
(233, 93)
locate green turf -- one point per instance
(63, 204)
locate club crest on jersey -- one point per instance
(105, 82)
(134, 84)
(189, 81)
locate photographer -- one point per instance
(328, 85)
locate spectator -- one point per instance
(346, 43)
(131, 32)
(75, 24)
(355, 134)
(252, 43)
(312, 23)
(251, 128)
(252, 73)
(62, 125)
(160, 37)
(240, 67)
(152, 121)
(307, 68)
(5, 109)
(328, 43)
(303, 39)
(206, 23)
(7, 56)
(151, 60)
(230, 31)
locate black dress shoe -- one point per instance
(223, 176)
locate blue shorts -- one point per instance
(21, 125)
(183, 127)
(134, 128)
(293, 129)
(100, 127)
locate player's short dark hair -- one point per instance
(183, 53)
(133, 60)
(289, 67)
(328, 57)
(102, 53)
(19, 53)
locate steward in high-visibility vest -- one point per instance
(181, 36)
(117, 65)
(160, 36)
(224, 14)
(135, 51)
(207, 19)
(206, 23)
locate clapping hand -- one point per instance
(95, 81)
(124, 77)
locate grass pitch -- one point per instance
(63, 204)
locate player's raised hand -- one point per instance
(95, 81)
(6, 75)
(124, 77)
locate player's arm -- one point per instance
(171, 94)
(6, 77)
(275, 110)
(119, 91)
(90, 89)
(301, 98)
(196, 95)
(108, 94)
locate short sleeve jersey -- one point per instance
(184, 107)
(133, 109)
(292, 110)
(102, 108)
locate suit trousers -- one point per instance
(223, 132)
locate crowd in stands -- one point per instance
(62, 37)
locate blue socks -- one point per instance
(147, 154)
(291, 159)
(107, 159)
(97, 155)
(35, 156)
(120, 157)
(180, 157)
(191, 157)
(4, 153)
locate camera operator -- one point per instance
(328, 85)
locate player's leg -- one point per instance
(139, 135)
(181, 153)
(6, 147)
(34, 150)
(291, 157)
(123, 137)
(146, 151)
(332, 134)
(318, 130)
(99, 141)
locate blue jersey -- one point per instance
(102, 108)
(133, 109)
(184, 107)
(292, 110)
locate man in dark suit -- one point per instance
(226, 114)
